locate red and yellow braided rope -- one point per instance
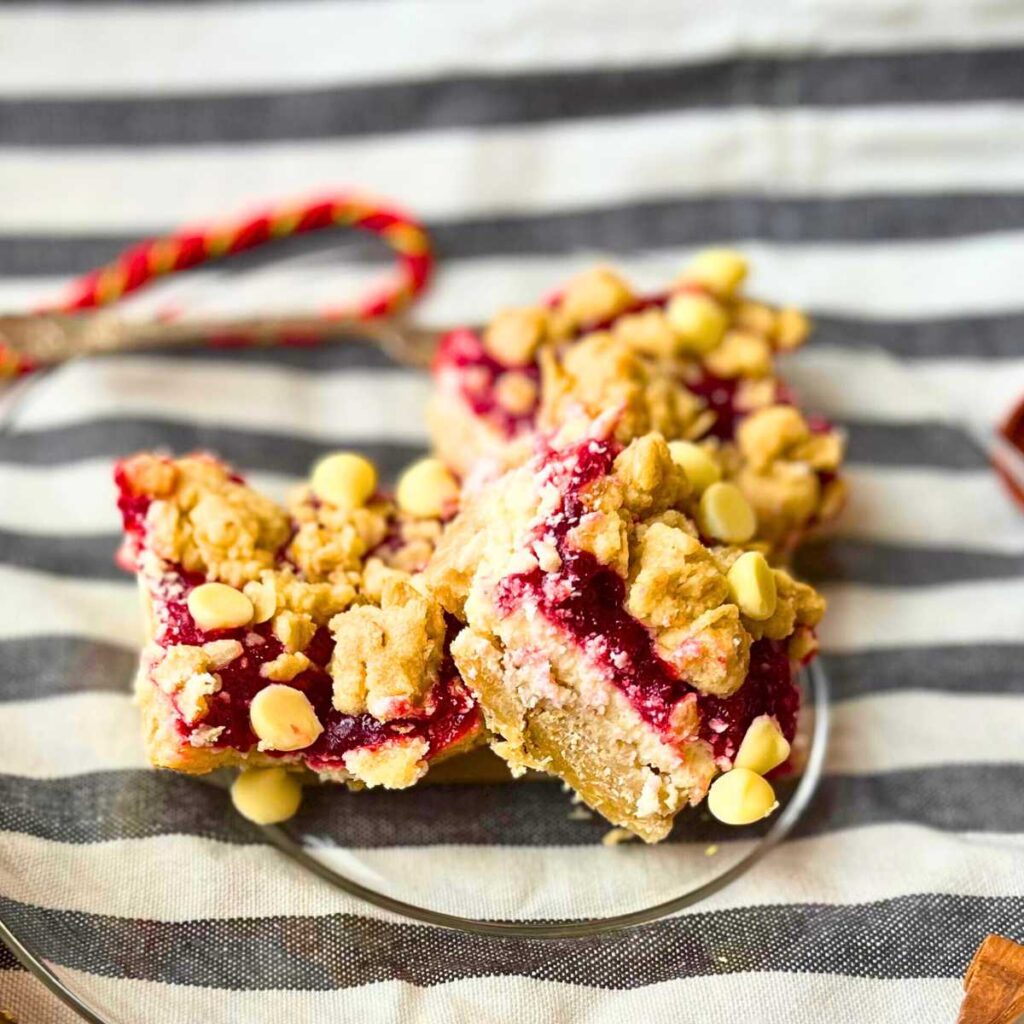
(159, 257)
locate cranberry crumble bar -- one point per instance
(297, 637)
(696, 364)
(622, 633)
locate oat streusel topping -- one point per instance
(603, 636)
(206, 521)
(386, 657)
(320, 644)
(696, 364)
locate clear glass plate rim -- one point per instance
(817, 695)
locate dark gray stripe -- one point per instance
(990, 337)
(966, 668)
(641, 226)
(823, 561)
(102, 806)
(247, 450)
(48, 666)
(835, 560)
(919, 936)
(528, 98)
(936, 444)
(88, 557)
(885, 444)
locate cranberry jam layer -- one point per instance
(693, 364)
(614, 637)
(294, 636)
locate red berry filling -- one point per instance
(586, 601)
(448, 715)
(467, 367)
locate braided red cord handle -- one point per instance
(150, 260)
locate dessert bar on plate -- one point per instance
(619, 635)
(295, 636)
(597, 599)
(697, 364)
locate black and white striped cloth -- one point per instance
(867, 155)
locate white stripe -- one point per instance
(969, 511)
(360, 405)
(863, 617)
(977, 275)
(888, 280)
(73, 734)
(99, 731)
(870, 385)
(79, 497)
(908, 149)
(37, 604)
(367, 405)
(116, 877)
(894, 731)
(780, 998)
(154, 49)
(912, 507)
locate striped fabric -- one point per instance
(867, 155)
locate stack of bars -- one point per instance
(589, 576)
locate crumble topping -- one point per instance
(602, 372)
(386, 658)
(318, 647)
(595, 606)
(392, 765)
(204, 520)
(189, 672)
(786, 470)
(330, 543)
(285, 667)
(695, 364)
(593, 296)
(514, 335)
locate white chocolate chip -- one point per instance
(218, 606)
(752, 585)
(725, 514)
(266, 796)
(741, 797)
(719, 270)
(283, 718)
(427, 489)
(698, 321)
(701, 469)
(763, 747)
(345, 480)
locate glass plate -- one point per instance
(468, 822)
